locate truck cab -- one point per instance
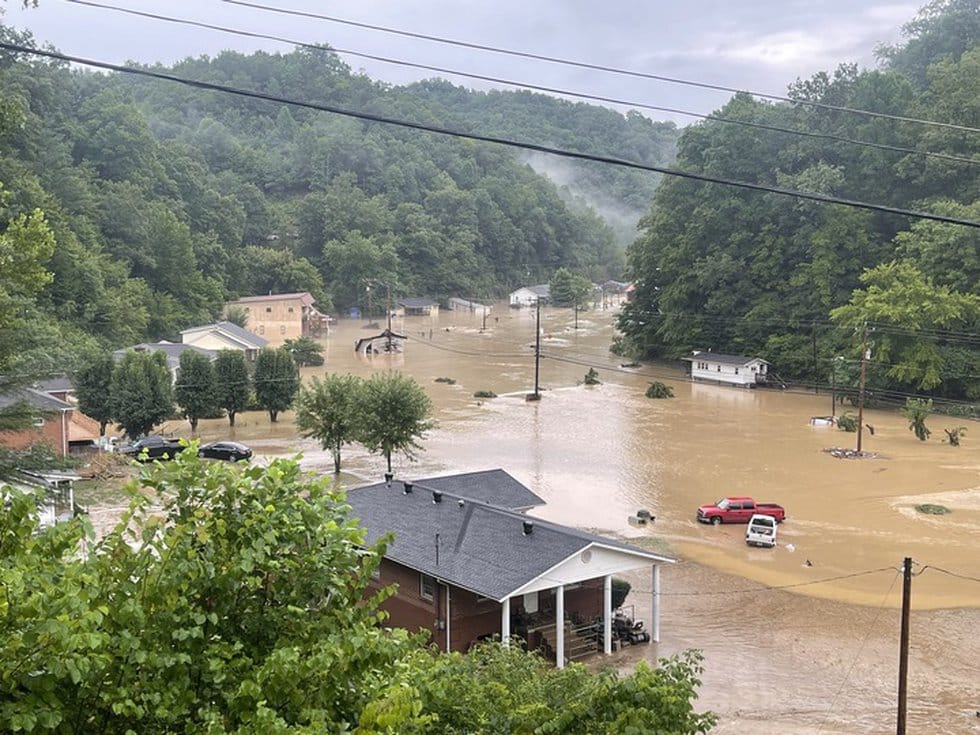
(761, 531)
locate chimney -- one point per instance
(388, 478)
(407, 488)
(528, 527)
(436, 496)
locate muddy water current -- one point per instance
(820, 653)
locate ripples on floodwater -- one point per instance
(597, 454)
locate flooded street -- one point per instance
(820, 657)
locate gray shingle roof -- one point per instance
(723, 359)
(495, 487)
(417, 302)
(173, 351)
(481, 547)
(242, 334)
(35, 398)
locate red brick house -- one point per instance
(470, 565)
(51, 427)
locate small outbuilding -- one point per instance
(420, 306)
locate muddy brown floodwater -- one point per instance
(814, 657)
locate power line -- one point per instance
(550, 90)
(600, 67)
(369, 117)
(951, 574)
(773, 587)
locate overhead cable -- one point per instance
(539, 88)
(370, 117)
(600, 67)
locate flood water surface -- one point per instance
(597, 454)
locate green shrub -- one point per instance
(592, 377)
(659, 390)
(620, 589)
(484, 394)
(847, 421)
(447, 381)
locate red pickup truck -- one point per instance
(738, 510)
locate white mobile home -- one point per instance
(529, 295)
(712, 367)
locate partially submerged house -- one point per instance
(282, 316)
(224, 336)
(713, 367)
(470, 565)
(530, 295)
(455, 303)
(421, 306)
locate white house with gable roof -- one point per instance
(739, 370)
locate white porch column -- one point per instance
(505, 622)
(655, 623)
(607, 614)
(449, 640)
(560, 626)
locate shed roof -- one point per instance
(491, 551)
(723, 359)
(36, 399)
(304, 296)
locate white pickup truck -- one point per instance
(761, 531)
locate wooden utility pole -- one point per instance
(536, 396)
(903, 657)
(864, 370)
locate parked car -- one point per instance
(155, 447)
(738, 510)
(761, 531)
(227, 450)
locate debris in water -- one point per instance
(844, 453)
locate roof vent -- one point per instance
(461, 502)
(407, 488)
(436, 496)
(528, 527)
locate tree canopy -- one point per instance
(395, 415)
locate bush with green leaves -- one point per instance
(847, 421)
(592, 377)
(917, 410)
(328, 410)
(657, 389)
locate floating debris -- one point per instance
(844, 453)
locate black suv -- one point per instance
(155, 446)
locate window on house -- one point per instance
(262, 329)
(290, 310)
(718, 368)
(268, 310)
(736, 371)
(427, 587)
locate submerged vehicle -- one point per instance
(761, 531)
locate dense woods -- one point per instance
(165, 200)
(795, 282)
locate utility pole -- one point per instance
(368, 289)
(388, 310)
(485, 310)
(864, 370)
(536, 396)
(903, 658)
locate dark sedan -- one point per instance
(154, 447)
(229, 451)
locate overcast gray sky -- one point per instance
(761, 45)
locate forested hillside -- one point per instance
(166, 200)
(794, 281)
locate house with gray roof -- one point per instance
(172, 350)
(470, 565)
(50, 424)
(738, 370)
(418, 306)
(530, 295)
(224, 335)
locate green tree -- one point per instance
(244, 609)
(912, 310)
(231, 383)
(141, 392)
(93, 388)
(196, 386)
(394, 415)
(569, 289)
(328, 410)
(276, 380)
(305, 351)
(917, 411)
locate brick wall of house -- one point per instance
(472, 617)
(54, 433)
